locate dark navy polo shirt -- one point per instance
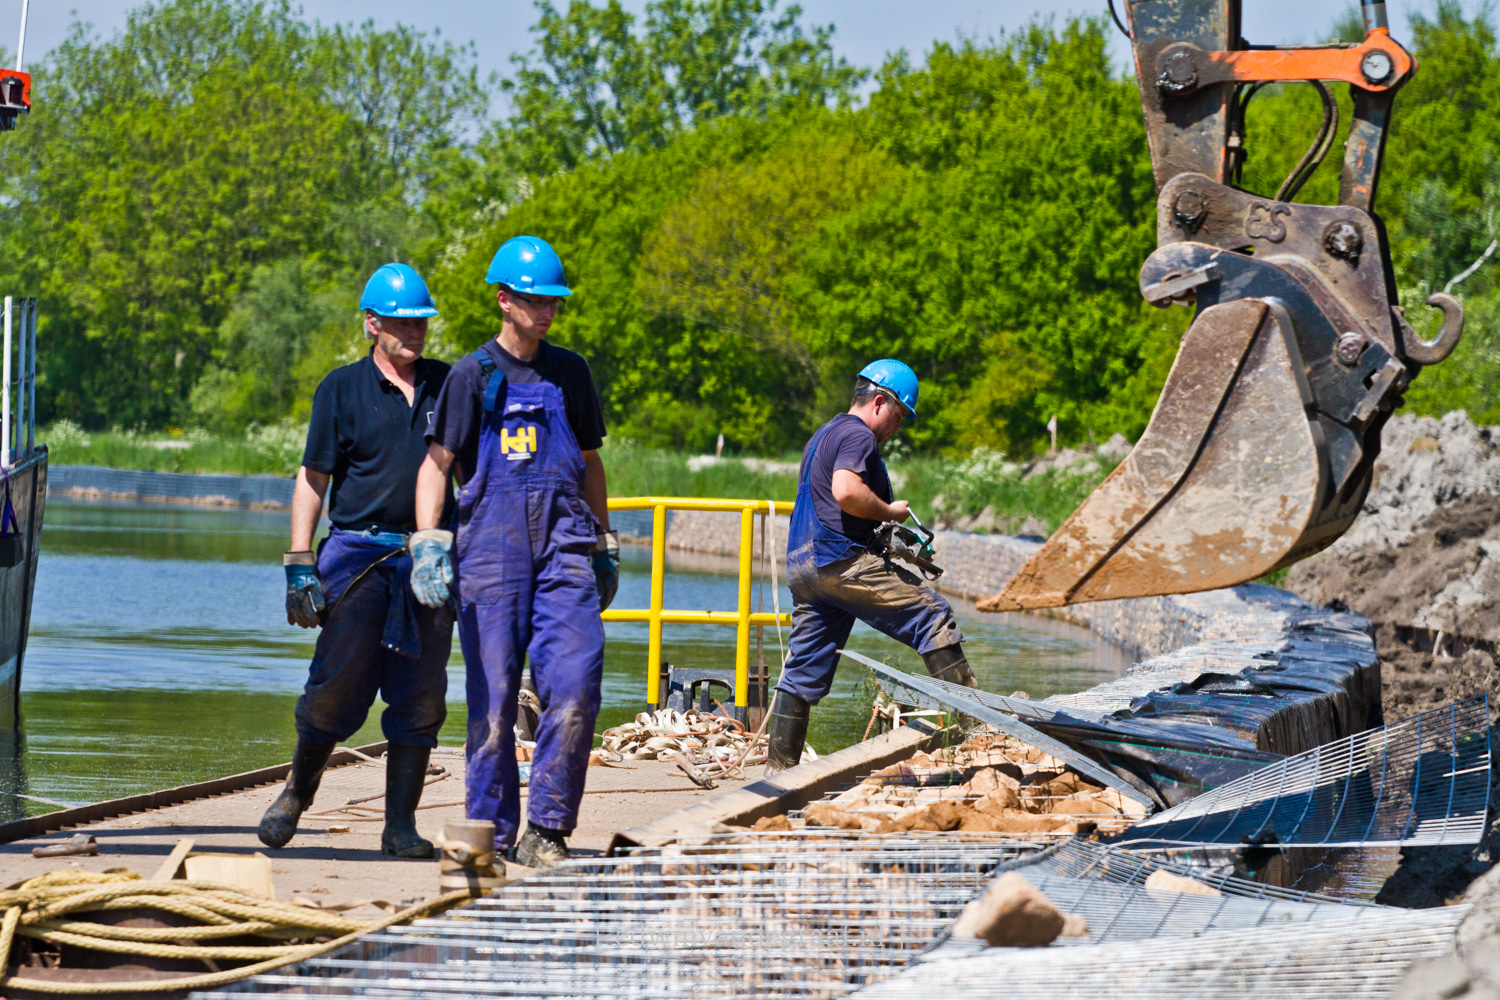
(370, 441)
(848, 444)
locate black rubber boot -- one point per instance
(951, 665)
(405, 771)
(542, 848)
(279, 824)
(787, 731)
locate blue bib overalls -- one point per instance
(526, 587)
(835, 580)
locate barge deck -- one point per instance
(336, 860)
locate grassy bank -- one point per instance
(275, 450)
(947, 489)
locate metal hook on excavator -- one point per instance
(1263, 442)
(1430, 352)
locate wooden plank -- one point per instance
(790, 789)
(168, 869)
(62, 819)
(252, 874)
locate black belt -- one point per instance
(375, 527)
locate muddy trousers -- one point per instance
(828, 601)
(558, 626)
(350, 666)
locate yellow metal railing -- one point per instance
(656, 616)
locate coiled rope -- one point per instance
(46, 908)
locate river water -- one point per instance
(160, 654)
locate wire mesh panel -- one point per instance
(770, 915)
(1083, 859)
(1330, 960)
(1424, 780)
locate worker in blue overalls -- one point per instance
(844, 494)
(365, 442)
(533, 561)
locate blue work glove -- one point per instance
(431, 566)
(607, 566)
(304, 591)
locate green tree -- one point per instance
(255, 376)
(594, 86)
(206, 140)
(1005, 273)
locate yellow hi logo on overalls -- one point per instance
(518, 446)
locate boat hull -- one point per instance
(28, 494)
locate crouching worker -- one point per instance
(366, 440)
(534, 559)
(843, 495)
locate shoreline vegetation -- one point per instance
(979, 492)
(747, 218)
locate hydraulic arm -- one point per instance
(1262, 445)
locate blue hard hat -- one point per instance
(397, 290)
(528, 264)
(896, 378)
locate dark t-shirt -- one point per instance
(455, 424)
(848, 444)
(371, 442)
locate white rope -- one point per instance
(775, 587)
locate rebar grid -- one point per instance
(1331, 960)
(820, 915)
(1422, 781)
(1083, 859)
(921, 845)
(772, 915)
(1134, 912)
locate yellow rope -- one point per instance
(39, 907)
(263, 928)
(8, 934)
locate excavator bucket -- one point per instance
(1262, 445)
(1223, 485)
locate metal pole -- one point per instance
(5, 392)
(31, 380)
(658, 586)
(21, 368)
(21, 45)
(742, 629)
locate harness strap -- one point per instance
(493, 387)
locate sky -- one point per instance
(866, 30)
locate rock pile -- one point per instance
(1424, 462)
(990, 784)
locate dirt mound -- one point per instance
(1413, 681)
(1444, 576)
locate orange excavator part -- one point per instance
(15, 97)
(1263, 442)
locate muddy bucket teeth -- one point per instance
(1223, 486)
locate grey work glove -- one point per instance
(431, 566)
(607, 566)
(304, 591)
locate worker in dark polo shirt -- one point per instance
(843, 495)
(534, 562)
(365, 443)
